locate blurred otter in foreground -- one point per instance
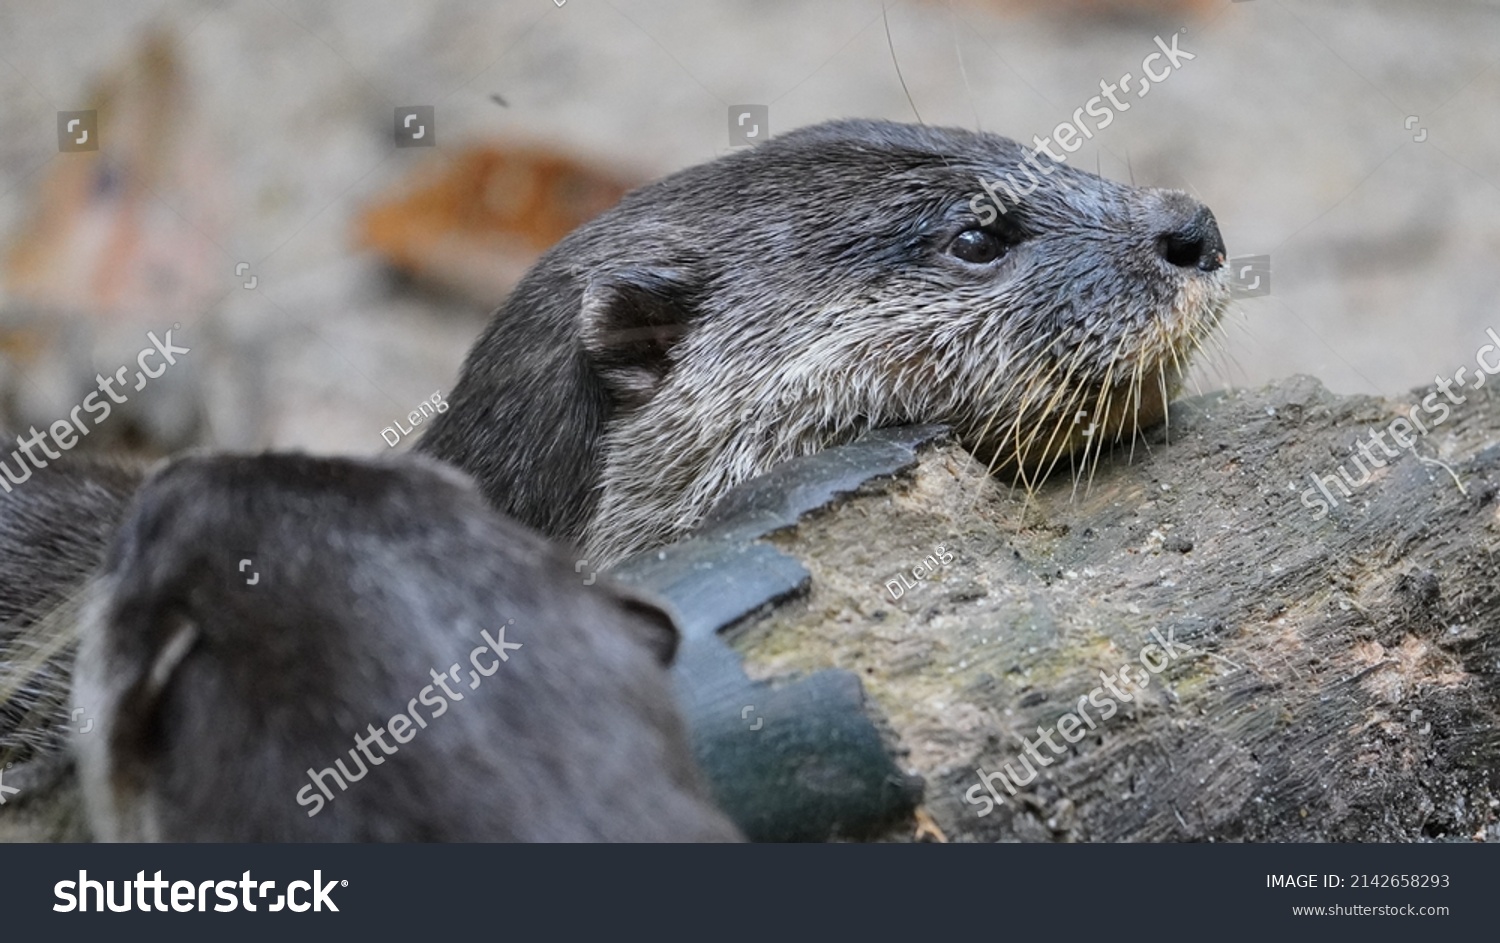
(244, 702)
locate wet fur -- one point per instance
(54, 528)
(786, 298)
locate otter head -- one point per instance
(860, 274)
(222, 696)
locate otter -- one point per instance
(789, 297)
(283, 648)
(54, 527)
(766, 305)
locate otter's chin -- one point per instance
(1040, 444)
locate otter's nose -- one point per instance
(1190, 235)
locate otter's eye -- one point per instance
(977, 247)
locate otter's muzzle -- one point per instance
(1187, 233)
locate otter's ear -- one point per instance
(631, 321)
(145, 684)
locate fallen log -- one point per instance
(1290, 675)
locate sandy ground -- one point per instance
(1291, 122)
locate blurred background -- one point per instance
(242, 170)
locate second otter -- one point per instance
(300, 701)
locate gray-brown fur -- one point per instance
(788, 297)
(733, 315)
(54, 527)
(214, 696)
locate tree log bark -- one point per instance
(1332, 678)
(1305, 677)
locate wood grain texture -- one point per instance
(1343, 675)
